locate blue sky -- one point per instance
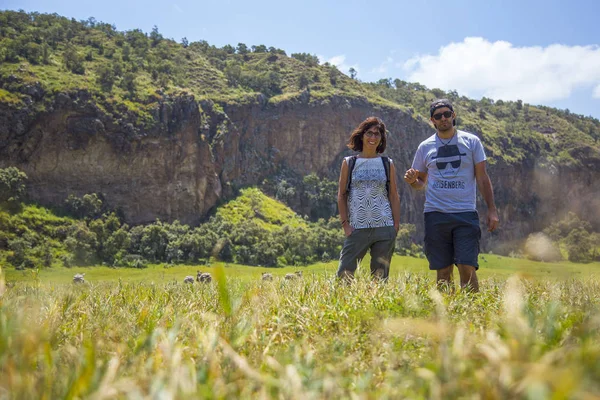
(543, 52)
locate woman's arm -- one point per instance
(343, 199)
(394, 197)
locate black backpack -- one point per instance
(386, 167)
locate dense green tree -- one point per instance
(580, 246)
(266, 82)
(303, 80)
(82, 243)
(309, 59)
(150, 241)
(261, 48)
(229, 49)
(105, 77)
(242, 49)
(334, 74)
(405, 238)
(45, 48)
(126, 52)
(561, 229)
(12, 185)
(128, 83)
(73, 61)
(155, 36)
(88, 206)
(352, 72)
(438, 93)
(233, 73)
(284, 191)
(387, 82)
(20, 248)
(34, 53)
(321, 194)
(138, 42)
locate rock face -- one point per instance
(167, 172)
(191, 156)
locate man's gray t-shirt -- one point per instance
(450, 165)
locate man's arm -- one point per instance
(485, 187)
(416, 179)
(416, 176)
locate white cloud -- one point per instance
(340, 62)
(337, 60)
(384, 67)
(177, 8)
(477, 67)
(596, 93)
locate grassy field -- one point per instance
(532, 332)
(491, 265)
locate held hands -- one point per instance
(411, 176)
(492, 220)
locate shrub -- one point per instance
(12, 186)
(132, 261)
(105, 78)
(88, 206)
(73, 61)
(579, 246)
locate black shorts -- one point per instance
(452, 239)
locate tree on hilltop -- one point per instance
(352, 72)
(242, 49)
(155, 36)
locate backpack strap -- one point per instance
(386, 167)
(351, 162)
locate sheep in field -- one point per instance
(204, 277)
(267, 276)
(188, 279)
(78, 278)
(296, 275)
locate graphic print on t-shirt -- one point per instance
(448, 160)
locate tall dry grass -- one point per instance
(312, 338)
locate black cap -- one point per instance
(439, 103)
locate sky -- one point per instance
(541, 52)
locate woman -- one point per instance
(369, 204)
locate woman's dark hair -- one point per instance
(356, 138)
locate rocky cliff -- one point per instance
(190, 156)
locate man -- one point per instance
(447, 165)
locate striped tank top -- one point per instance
(368, 203)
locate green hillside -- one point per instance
(252, 229)
(64, 54)
(128, 72)
(269, 213)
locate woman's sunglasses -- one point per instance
(446, 114)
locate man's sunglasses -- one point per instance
(443, 164)
(446, 114)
